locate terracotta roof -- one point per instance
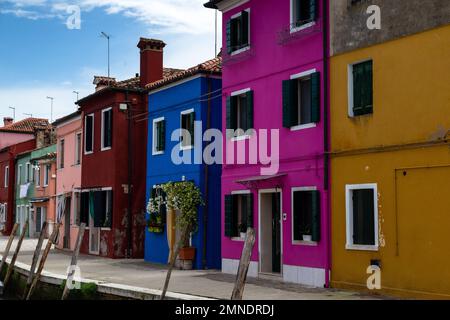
(213, 66)
(28, 125)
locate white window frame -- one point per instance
(293, 241)
(19, 174)
(244, 136)
(103, 148)
(78, 148)
(182, 113)
(46, 175)
(6, 176)
(350, 96)
(293, 21)
(93, 131)
(349, 216)
(155, 136)
(237, 15)
(299, 76)
(236, 193)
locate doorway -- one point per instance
(66, 239)
(270, 232)
(94, 237)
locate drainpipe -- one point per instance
(206, 171)
(130, 172)
(326, 136)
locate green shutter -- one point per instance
(289, 103)
(250, 210)
(363, 88)
(315, 97)
(313, 10)
(244, 28)
(250, 112)
(369, 226)
(315, 221)
(228, 30)
(162, 136)
(230, 230)
(191, 127)
(298, 12)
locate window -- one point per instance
(187, 126)
(159, 136)
(77, 208)
(61, 154)
(101, 202)
(89, 134)
(303, 12)
(78, 148)
(27, 172)
(37, 173)
(306, 214)
(6, 176)
(238, 32)
(107, 129)
(361, 88)
(362, 217)
(46, 174)
(238, 214)
(240, 111)
(19, 175)
(41, 216)
(301, 100)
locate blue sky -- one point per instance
(40, 56)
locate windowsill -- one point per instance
(240, 138)
(361, 247)
(157, 153)
(240, 50)
(304, 126)
(238, 239)
(101, 229)
(187, 148)
(76, 165)
(87, 153)
(106, 149)
(303, 27)
(305, 243)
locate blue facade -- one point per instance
(170, 102)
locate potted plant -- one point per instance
(307, 234)
(184, 197)
(243, 230)
(155, 222)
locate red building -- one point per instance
(112, 198)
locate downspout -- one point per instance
(326, 137)
(130, 172)
(206, 172)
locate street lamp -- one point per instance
(77, 93)
(28, 114)
(51, 108)
(14, 113)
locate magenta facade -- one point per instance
(277, 51)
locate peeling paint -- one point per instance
(381, 237)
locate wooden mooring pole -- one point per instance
(8, 245)
(244, 263)
(37, 276)
(14, 258)
(73, 263)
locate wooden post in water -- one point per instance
(16, 253)
(36, 254)
(8, 245)
(74, 261)
(244, 263)
(37, 276)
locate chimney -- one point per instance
(7, 121)
(151, 60)
(103, 82)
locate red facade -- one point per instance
(7, 159)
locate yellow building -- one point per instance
(390, 161)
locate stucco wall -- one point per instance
(399, 18)
(8, 139)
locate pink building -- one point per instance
(274, 76)
(68, 162)
(16, 132)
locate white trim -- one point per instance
(154, 136)
(307, 276)
(187, 111)
(303, 27)
(93, 131)
(303, 74)
(240, 50)
(68, 121)
(182, 113)
(350, 85)
(265, 191)
(6, 176)
(292, 20)
(103, 148)
(304, 126)
(240, 138)
(349, 216)
(240, 92)
(231, 266)
(237, 192)
(293, 241)
(228, 5)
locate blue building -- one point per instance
(189, 100)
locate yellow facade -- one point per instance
(403, 148)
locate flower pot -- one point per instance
(307, 238)
(187, 253)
